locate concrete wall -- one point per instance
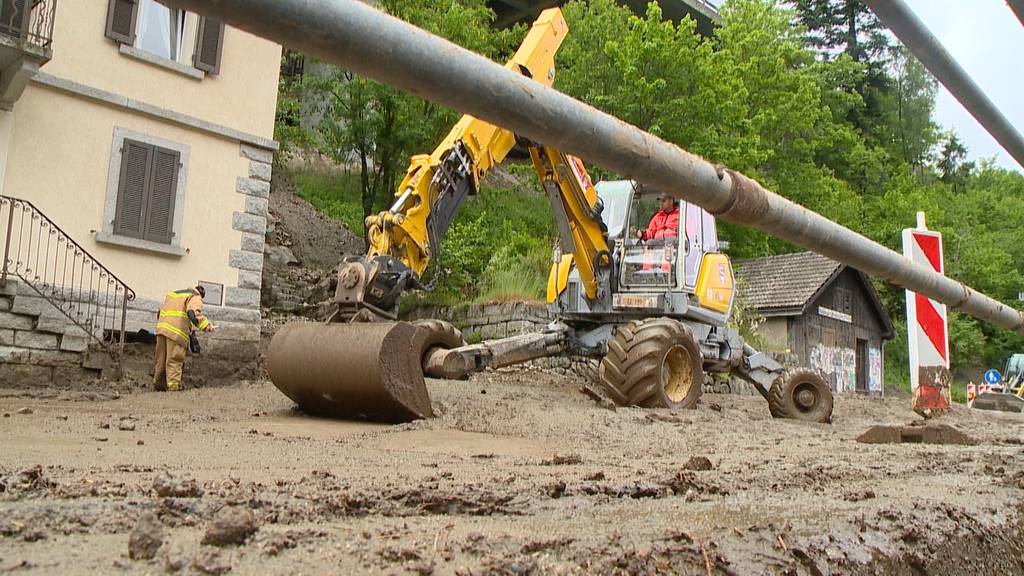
(61, 162)
(243, 96)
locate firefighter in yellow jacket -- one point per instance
(181, 313)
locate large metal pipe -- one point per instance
(898, 17)
(369, 42)
(1018, 8)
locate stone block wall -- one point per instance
(41, 345)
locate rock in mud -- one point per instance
(126, 425)
(563, 460)
(555, 490)
(167, 486)
(274, 543)
(929, 434)
(211, 562)
(698, 464)
(232, 526)
(281, 256)
(25, 481)
(175, 562)
(146, 538)
(25, 410)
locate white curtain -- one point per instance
(159, 29)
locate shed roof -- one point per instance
(786, 284)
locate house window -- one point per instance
(145, 193)
(152, 31)
(160, 29)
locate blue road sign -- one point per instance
(992, 376)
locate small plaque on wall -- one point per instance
(214, 293)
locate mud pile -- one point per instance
(519, 473)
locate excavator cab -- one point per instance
(654, 243)
(674, 256)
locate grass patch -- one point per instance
(335, 193)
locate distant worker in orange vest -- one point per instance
(181, 313)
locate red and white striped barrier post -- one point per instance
(927, 331)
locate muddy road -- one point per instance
(519, 474)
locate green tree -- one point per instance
(952, 164)
(378, 128)
(845, 26)
(913, 98)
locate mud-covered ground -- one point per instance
(520, 474)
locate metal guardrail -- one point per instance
(29, 21)
(63, 273)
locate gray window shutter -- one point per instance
(122, 16)
(209, 46)
(136, 161)
(160, 203)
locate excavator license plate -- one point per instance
(646, 301)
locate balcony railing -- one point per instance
(59, 270)
(28, 21)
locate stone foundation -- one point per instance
(40, 345)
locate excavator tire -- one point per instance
(801, 394)
(437, 334)
(653, 363)
(367, 371)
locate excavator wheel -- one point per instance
(801, 394)
(366, 370)
(437, 334)
(654, 363)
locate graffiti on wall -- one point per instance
(874, 370)
(838, 362)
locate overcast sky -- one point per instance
(987, 40)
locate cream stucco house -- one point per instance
(136, 143)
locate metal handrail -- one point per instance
(34, 25)
(62, 272)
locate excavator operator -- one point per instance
(664, 223)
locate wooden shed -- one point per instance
(822, 312)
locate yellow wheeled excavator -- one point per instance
(653, 311)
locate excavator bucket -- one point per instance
(354, 371)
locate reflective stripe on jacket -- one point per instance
(173, 321)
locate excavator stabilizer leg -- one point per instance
(360, 370)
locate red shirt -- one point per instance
(663, 225)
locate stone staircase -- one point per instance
(39, 344)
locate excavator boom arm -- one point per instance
(436, 185)
(405, 238)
